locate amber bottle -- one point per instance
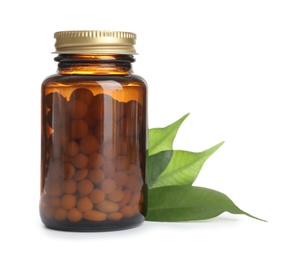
(93, 131)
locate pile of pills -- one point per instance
(93, 158)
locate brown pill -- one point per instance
(94, 215)
(96, 160)
(136, 208)
(89, 144)
(69, 186)
(74, 215)
(85, 187)
(60, 214)
(85, 204)
(77, 109)
(116, 196)
(121, 163)
(54, 170)
(89, 119)
(80, 174)
(82, 94)
(54, 201)
(109, 150)
(136, 199)
(72, 148)
(47, 211)
(54, 188)
(108, 185)
(97, 109)
(134, 183)
(96, 175)
(126, 198)
(135, 170)
(65, 159)
(53, 99)
(127, 211)
(97, 196)
(69, 170)
(105, 130)
(102, 107)
(108, 206)
(122, 146)
(78, 128)
(115, 216)
(109, 168)
(121, 178)
(58, 141)
(49, 99)
(80, 161)
(68, 201)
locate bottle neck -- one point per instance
(94, 64)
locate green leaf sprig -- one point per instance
(170, 178)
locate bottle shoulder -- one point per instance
(140, 79)
(69, 80)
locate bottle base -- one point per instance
(90, 226)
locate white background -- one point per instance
(228, 63)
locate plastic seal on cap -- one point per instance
(95, 42)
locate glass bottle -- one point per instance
(93, 134)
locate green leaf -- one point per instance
(186, 203)
(161, 139)
(156, 164)
(183, 168)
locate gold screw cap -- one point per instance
(95, 42)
